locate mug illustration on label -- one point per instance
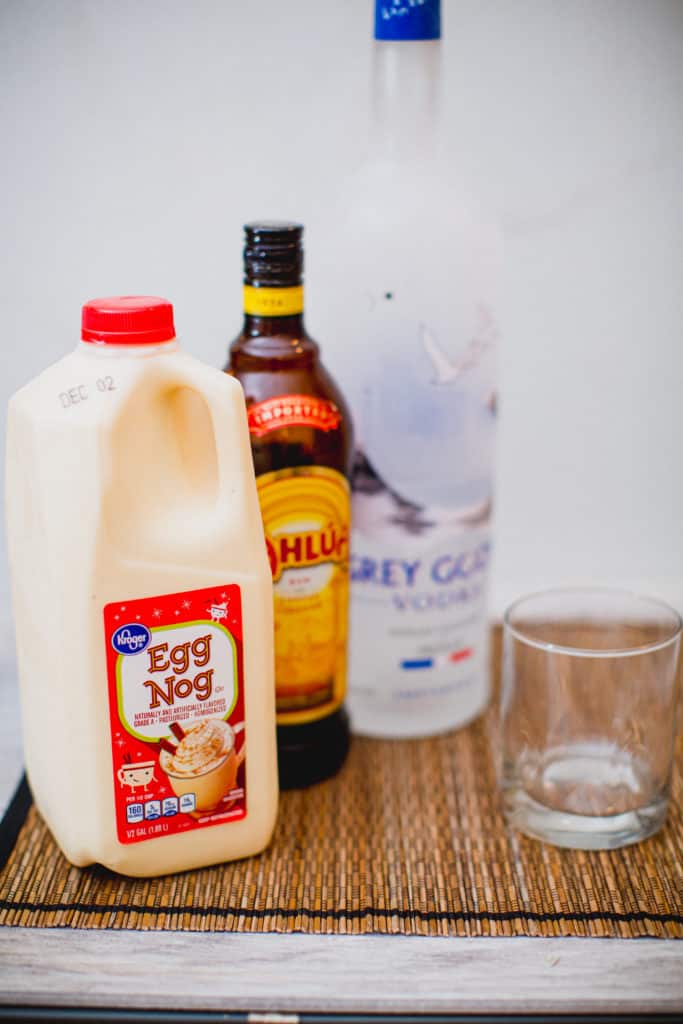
(139, 774)
(176, 701)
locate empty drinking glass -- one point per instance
(588, 715)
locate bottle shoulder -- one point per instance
(301, 442)
(417, 197)
(254, 351)
(274, 369)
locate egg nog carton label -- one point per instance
(176, 702)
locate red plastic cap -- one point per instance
(127, 320)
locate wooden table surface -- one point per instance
(298, 974)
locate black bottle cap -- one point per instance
(273, 253)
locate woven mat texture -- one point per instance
(408, 839)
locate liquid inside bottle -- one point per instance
(302, 447)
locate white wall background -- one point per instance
(138, 135)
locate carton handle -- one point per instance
(228, 414)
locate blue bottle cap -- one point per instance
(407, 19)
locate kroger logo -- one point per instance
(131, 639)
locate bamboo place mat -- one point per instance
(408, 839)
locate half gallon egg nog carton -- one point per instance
(143, 601)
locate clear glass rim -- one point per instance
(588, 652)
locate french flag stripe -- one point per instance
(439, 660)
(461, 655)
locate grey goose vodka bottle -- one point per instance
(408, 300)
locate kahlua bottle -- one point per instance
(301, 440)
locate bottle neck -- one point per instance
(406, 95)
(256, 326)
(274, 311)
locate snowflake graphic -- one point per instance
(187, 604)
(157, 613)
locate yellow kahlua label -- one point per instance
(306, 514)
(273, 301)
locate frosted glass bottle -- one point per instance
(405, 275)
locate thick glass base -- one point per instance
(588, 796)
(310, 753)
(580, 831)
